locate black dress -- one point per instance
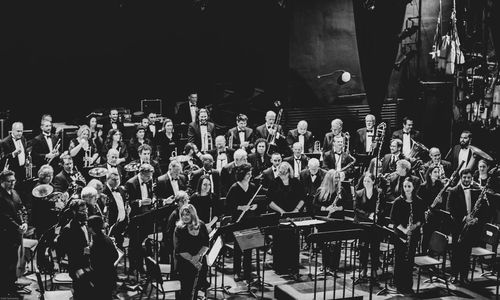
(103, 254)
(203, 205)
(188, 274)
(428, 193)
(286, 196)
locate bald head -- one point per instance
(17, 130)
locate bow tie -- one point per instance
(174, 179)
(207, 172)
(338, 153)
(203, 123)
(47, 135)
(145, 183)
(222, 152)
(241, 130)
(406, 132)
(297, 159)
(115, 190)
(369, 131)
(192, 105)
(466, 188)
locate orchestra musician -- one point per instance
(112, 122)
(213, 174)
(259, 159)
(96, 132)
(112, 164)
(337, 158)
(64, 180)
(89, 195)
(298, 161)
(395, 180)
(221, 154)
(83, 149)
(331, 196)
(145, 158)
(45, 147)
(152, 127)
(117, 208)
(191, 245)
(461, 152)
(269, 174)
(227, 175)
(364, 139)
(269, 128)
(188, 111)
(311, 179)
(15, 150)
(137, 141)
(101, 199)
(169, 184)
(202, 132)
(301, 135)
(191, 161)
(407, 215)
(241, 136)
(389, 160)
(13, 224)
(445, 169)
(336, 130)
(167, 249)
(481, 175)
(407, 135)
(206, 202)
(114, 140)
(167, 141)
(74, 241)
(237, 200)
(286, 194)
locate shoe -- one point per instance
(237, 277)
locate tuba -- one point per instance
(417, 149)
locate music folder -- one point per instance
(214, 251)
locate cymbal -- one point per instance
(481, 153)
(132, 167)
(42, 190)
(98, 172)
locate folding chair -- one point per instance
(52, 295)
(489, 236)
(437, 248)
(155, 278)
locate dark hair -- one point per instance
(241, 117)
(96, 223)
(143, 147)
(465, 171)
(200, 182)
(407, 119)
(258, 141)
(109, 137)
(428, 180)
(140, 127)
(242, 170)
(5, 174)
(76, 204)
(63, 157)
(414, 192)
(188, 147)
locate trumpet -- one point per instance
(173, 153)
(55, 150)
(317, 149)
(28, 165)
(87, 157)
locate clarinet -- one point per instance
(410, 232)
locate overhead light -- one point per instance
(404, 59)
(343, 78)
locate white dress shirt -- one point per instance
(174, 184)
(21, 157)
(204, 137)
(406, 144)
(301, 141)
(369, 140)
(462, 156)
(119, 204)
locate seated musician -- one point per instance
(116, 207)
(444, 166)
(407, 215)
(395, 180)
(74, 241)
(270, 128)
(364, 139)
(389, 160)
(481, 175)
(428, 192)
(101, 198)
(259, 159)
(331, 196)
(301, 135)
(238, 197)
(206, 202)
(297, 161)
(169, 184)
(338, 159)
(136, 141)
(286, 194)
(202, 132)
(207, 169)
(311, 178)
(89, 195)
(365, 208)
(222, 154)
(103, 255)
(336, 130)
(112, 162)
(167, 142)
(112, 122)
(241, 136)
(227, 175)
(269, 174)
(407, 135)
(167, 249)
(114, 140)
(66, 180)
(82, 149)
(145, 152)
(191, 245)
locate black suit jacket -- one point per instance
(10, 218)
(164, 187)
(330, 163)
(456, 205)
(291, 161)
(39, 148)
(195, 177)
(414, 134)
(261, 132)
(72, 242)
(235, 136)
(453, 154)
(393, 190)
(106, 126)
(293, 137)
(133, 189)
(267, 177)
(310, 187)
(8, 147)
(184, 113)
(61, 182)
(227, 178)
(257, 164)
(215, 155)
(194, 133)
(112, 207)
(387, 166)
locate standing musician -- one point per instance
(204, 200)
(365, 208)
(407, 215)
(45, 146)
(407, 135)
(191, 245)
(331, 195)
(365, 137)
(237, 200)
(83, 149)
(202, 133)
(137, 141)
(74, 241)
(112, 122)
(428, 192)
(444, 166)
(337, 158)
(301, 135)
(208, 170)
(461, 200)
(269, 128)
(14, 149)
(169, 184)
(152, 127)
(311, 178)
(188, 111)
(461, 152)
(389, 160)
(117, 208)
(336, 130)
(259, 159)
(396, 179)
(269, 174)
(298, 161)
(114, 140)
(240, 136)
(287, 193)
(227, 175)
(167, 142)
(221, 154)
(13, 225)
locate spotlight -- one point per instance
(404, 59)
(343, 78)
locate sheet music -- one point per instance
(214, 251)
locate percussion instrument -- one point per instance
(481, 153)
(98, 172)
(132, 167)
(42, 190)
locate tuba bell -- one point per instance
(417, 150)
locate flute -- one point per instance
(249, 203)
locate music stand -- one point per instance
(389, 233)
(212, 257)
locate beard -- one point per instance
(464, 144)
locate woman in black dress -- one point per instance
(286, 194)
(191, 245)
(138, 139)
(114, 140)
(167, 143)
(407, 215)
(204, 200)
(331, 196)
(83, 150)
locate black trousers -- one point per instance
(188, 274)
(403, 263)
(247, 261)
(8, 267)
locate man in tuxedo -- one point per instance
(144, 152)
(241, 136)
(63, 179)
(45, 146)
(221, 154)
(460, 202)
(337, 158)
(364, 139)
(389, 160)
(188, 111)
(407, 135)
(462, 152)
(202, 132)
(227, 176)
(298, 161)
(270, 128)
(112, 162)
(153, 127)
(15, 151)
(172, 182)
(311, 178)
(112, 122)
(207, 169)
(301, 135)
(435, 155)
(270, 173)
(116, 206)
(337, 125)
(395, 180)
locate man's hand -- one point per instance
(16, 153)
(252, 207)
